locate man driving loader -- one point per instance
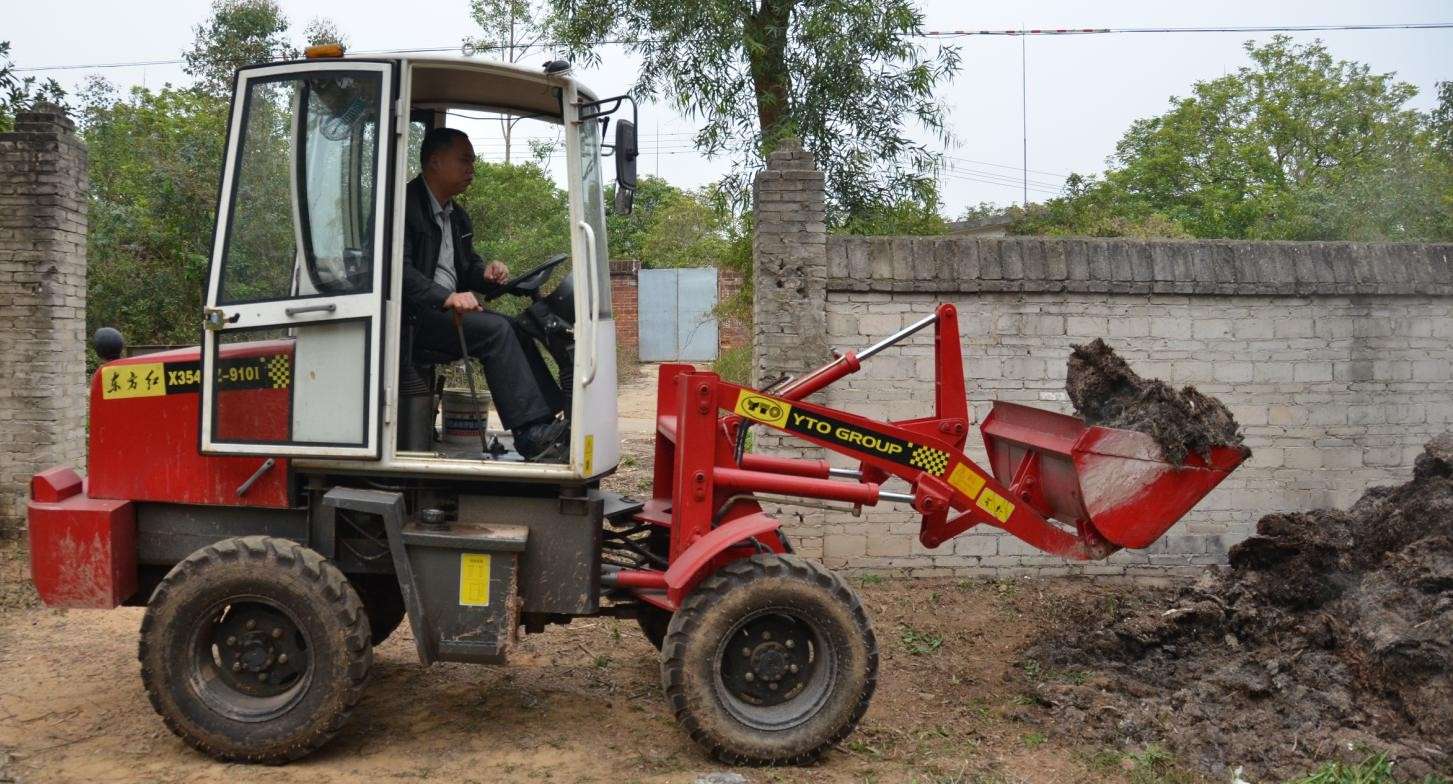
(442, 272)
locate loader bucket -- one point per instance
(1114, 480)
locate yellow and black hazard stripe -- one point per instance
(151, 379)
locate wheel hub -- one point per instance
(768, 660)
(258, 650)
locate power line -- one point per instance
(1063, 31)
(1221, 29)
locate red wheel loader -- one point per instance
(279, 502)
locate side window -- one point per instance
(417, 129)
(301, 219)
(592, 201)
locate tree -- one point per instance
(915, 213)
(511, 29)
(324, 31)
(520, 217)
(19, 94)
(1296, 146)
(627, 232)
(154, 159)
(845, 77)
(1442, 120)
(239, 32)
(685, 232)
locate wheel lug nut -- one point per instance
(262, 677)
(236, 666)
(792, 668)
(277, 634)
(750, 677)
(231, 642)
(282, 658)
(250, 625)
(772, 686)
(746, 651)
(790, 643)
(766, 635)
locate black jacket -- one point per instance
(422, 238)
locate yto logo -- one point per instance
(763, 409)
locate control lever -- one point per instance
(473, 395)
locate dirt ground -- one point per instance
(960, 698)
(577, 704)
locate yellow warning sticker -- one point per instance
(966, 481)
(589, 454)
(768, 411)
(996, 505)
(474, 579)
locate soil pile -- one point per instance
(1330, 627)
(1105, 391)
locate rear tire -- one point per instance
(383, 601)
(770, 661)
(255, 650)
(654, 623)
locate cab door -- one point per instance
(291, 350)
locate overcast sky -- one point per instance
(1083, 91)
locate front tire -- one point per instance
(769, 661)
(255, 650)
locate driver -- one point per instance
(441, 274)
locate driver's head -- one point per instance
(447, 160)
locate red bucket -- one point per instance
(1114, 480)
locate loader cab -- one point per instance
(305, 342)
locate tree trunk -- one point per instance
(766, 37)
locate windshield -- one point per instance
(592, 200)
(303, 189)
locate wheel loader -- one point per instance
(279, 499)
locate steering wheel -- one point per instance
(528, 284)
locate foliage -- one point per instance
(915, 214)
(684, 232)
(1296, 146)
(1375, 769)
(1442, 120)
(19, 94)
(510, 31)
(734, 365)
(519, 216)
(238, 33)
(153, 163)
(627, 232)
(324, 31)
(845, 77)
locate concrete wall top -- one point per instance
(1123, 266)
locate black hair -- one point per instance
(438, 140)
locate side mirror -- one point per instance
(625, 197)
(626, 152)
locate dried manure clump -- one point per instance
(1106, 392)
(1329, 628)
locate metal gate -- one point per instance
(675, 308)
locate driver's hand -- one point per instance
(497, 272)
(463, 302)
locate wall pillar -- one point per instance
(43, 390)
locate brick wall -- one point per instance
(1337, 359)
(42, 304)
(623, 287)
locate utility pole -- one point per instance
(1024, 105)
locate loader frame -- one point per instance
(705, 481)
